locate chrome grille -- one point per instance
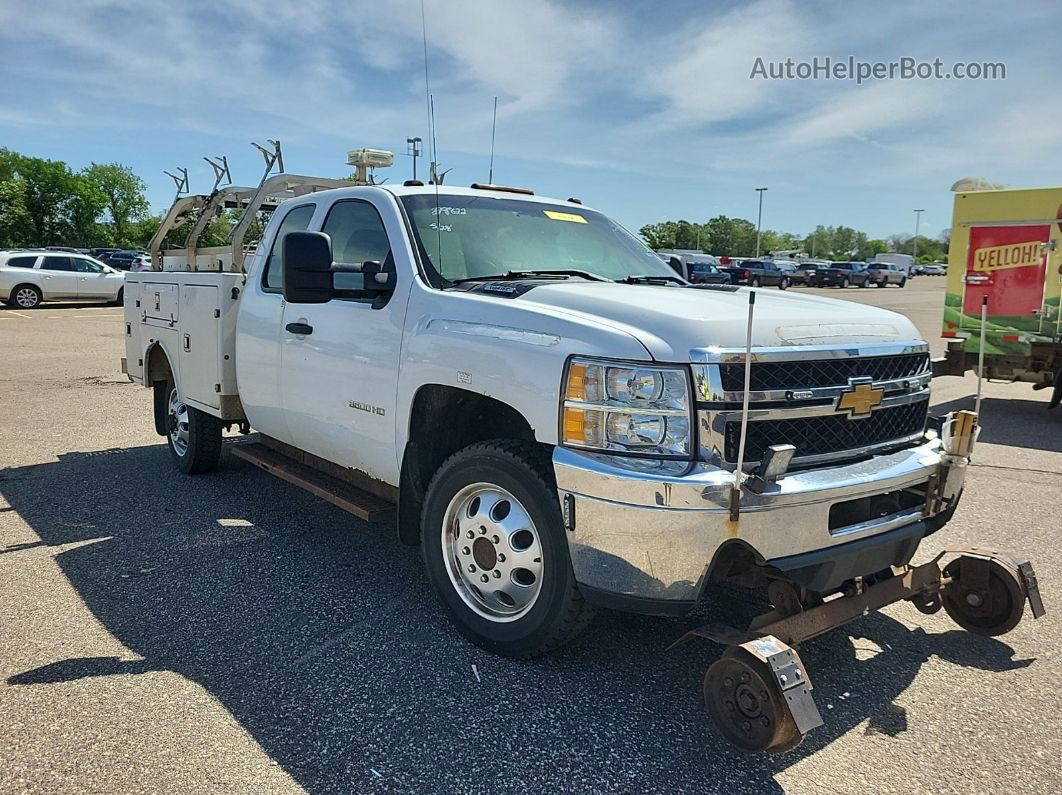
(794, 395)
(822, 435)
(821, 372)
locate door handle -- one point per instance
(299, 328)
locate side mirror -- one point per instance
(378, 279)
(307, 272)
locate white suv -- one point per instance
(29, 277)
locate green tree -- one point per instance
(123, 196)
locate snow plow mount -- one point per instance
(758, 692)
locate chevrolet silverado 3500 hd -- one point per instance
(558, 418)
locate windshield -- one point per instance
(462, 237)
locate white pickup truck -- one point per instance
(556, 414)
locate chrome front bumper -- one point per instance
(649, 530)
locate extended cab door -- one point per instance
(259, 331)
(339, 360)
(58, 276)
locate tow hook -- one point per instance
(758, 693)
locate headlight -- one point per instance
(629, 408)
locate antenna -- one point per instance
(275, 157)
(493, 127)
(221, 171)
(181, 182)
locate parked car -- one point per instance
(796, 276)
(935, 270)
(841, 274)
(707, 273)
(29, 278)
(882, 274)
(758, 273)
(100, 253)
(142, 262)
(122, 260)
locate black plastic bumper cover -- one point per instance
(823, 570)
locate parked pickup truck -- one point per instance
(758, 273)
(558, 418)
(882, 274)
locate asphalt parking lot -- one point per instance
(231, 633)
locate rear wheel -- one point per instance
(880, 283)
(495, 552)
(25, 296)
(864, 283)
(194, 436)
(783, 284)
(845, 282)
(755, 282)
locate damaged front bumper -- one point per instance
(645, 536)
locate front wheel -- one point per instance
(845, 282)
(754, 283)
(783, 284)
(864, 283)
(494, 549)
(119, 299)
(193, 436)
(903, 282)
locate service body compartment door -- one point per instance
(198, 346)
(159, 303)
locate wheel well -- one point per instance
(27, 284)
(157, 365)
(443, 420)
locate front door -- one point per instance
(94, 281)
(339, 360)
(1007, 265)
(58, 277)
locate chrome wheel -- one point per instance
(27, 298)
(492, 552)
(177, 423)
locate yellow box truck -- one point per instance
(1005, 256)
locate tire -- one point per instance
(783, 284)
(512, 480)
(193, 436)
(845, 282)
(755, 282)
(882, 283)
(903, 283)
(25, 296)
(119, 299)
(864, 283)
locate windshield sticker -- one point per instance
(436, 227)
(448, 211)
(575, 219)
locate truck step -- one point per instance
(343, 495)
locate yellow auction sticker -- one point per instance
(575, 219)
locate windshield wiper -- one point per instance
(523, 274)
(649, 279)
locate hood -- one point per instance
(673, 321)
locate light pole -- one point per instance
(759, 220)
(413, 148)
(918, 218)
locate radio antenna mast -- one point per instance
(493, 127)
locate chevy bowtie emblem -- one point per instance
(860, 398)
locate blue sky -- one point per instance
(644, 109)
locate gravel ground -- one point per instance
(231, 633)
